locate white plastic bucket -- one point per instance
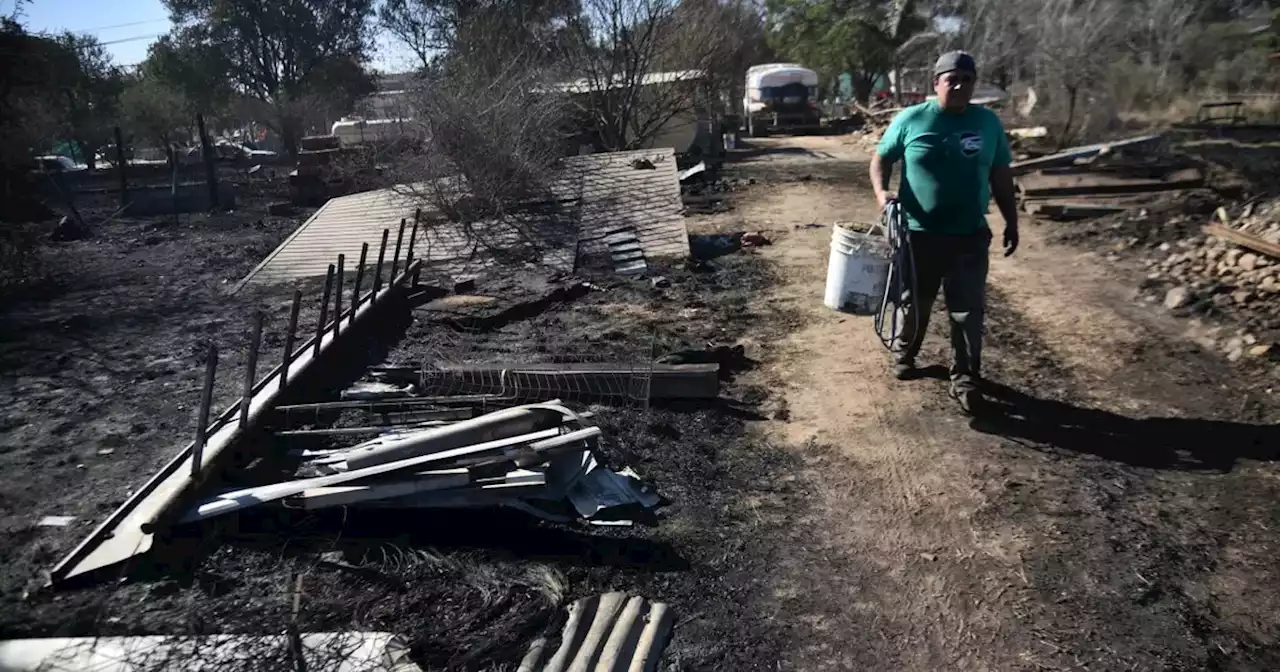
(857, 271)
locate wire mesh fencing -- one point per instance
(539, 367)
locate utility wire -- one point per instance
(120, 25)
(135, 38)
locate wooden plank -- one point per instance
(427, 481)
(1041, 185)
(126, 532)
(319, 498)
(494, 494)
(424, 410)
(1069, 156)
(1246, 240)
(1071, 210)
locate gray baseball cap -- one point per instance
(953, 61)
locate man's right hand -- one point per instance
(886, 198)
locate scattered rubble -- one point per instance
(1204, 254)
(1198, 270)
(702, 194)
(536, 458)
(1104, 179)
(336, 651)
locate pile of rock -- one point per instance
(1206, 275)
(1213, 266)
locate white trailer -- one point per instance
(780, 95)
(352, 131)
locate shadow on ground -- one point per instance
(745, 151)
(512, 535)
(1159, 443)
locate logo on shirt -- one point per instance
(970, 143)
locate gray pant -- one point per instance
(957, 264)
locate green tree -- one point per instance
(438, 30)
(860, 37)
(290, 55)
(88, 87)
(28, 110)
(154, 110)
(195, 72)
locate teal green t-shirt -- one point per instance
(947, 159)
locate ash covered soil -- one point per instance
(466, 590)
(101, 362)
(1115, 510)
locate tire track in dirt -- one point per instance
(1012, 547)
(899, 493)
(1143, 532)
(895, 496)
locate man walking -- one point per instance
(955, 158)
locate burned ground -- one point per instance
(1109, 508)
(1114, 508)
(467, 590)
(102, 355)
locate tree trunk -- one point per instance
(170, 154)
(862, 85)
(1065, 136)
(289, 134)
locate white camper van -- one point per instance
(780, 96)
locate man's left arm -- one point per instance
(1002, 191)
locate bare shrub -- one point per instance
(492, 143)
(1076, 44)
(20, 259)
(618, 47)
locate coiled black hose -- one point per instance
(902, 277)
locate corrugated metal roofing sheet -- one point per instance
(600, 194)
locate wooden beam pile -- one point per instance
(613, 632)
(1239, 235)
(538, 458)
(1098, 180)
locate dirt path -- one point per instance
(1115, 514)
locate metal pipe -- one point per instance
(355, 293)
(251, 367)
(206, 400)
(413, 237)
(324, 309)
(382, 254)
(127, 531)
(337, 296)
(289, 336)
(395, 258)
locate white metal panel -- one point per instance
(608, 192)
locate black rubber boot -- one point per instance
(968, 396)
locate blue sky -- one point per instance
(130, 26)
(137, 21)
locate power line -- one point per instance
(120, 25)
(131, 39)
(91, 31)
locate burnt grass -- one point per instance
(470, 590)
(1139, 521)
(1238, 169)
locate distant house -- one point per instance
(391, 100)
(693, 131)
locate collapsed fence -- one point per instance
(153, 508)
